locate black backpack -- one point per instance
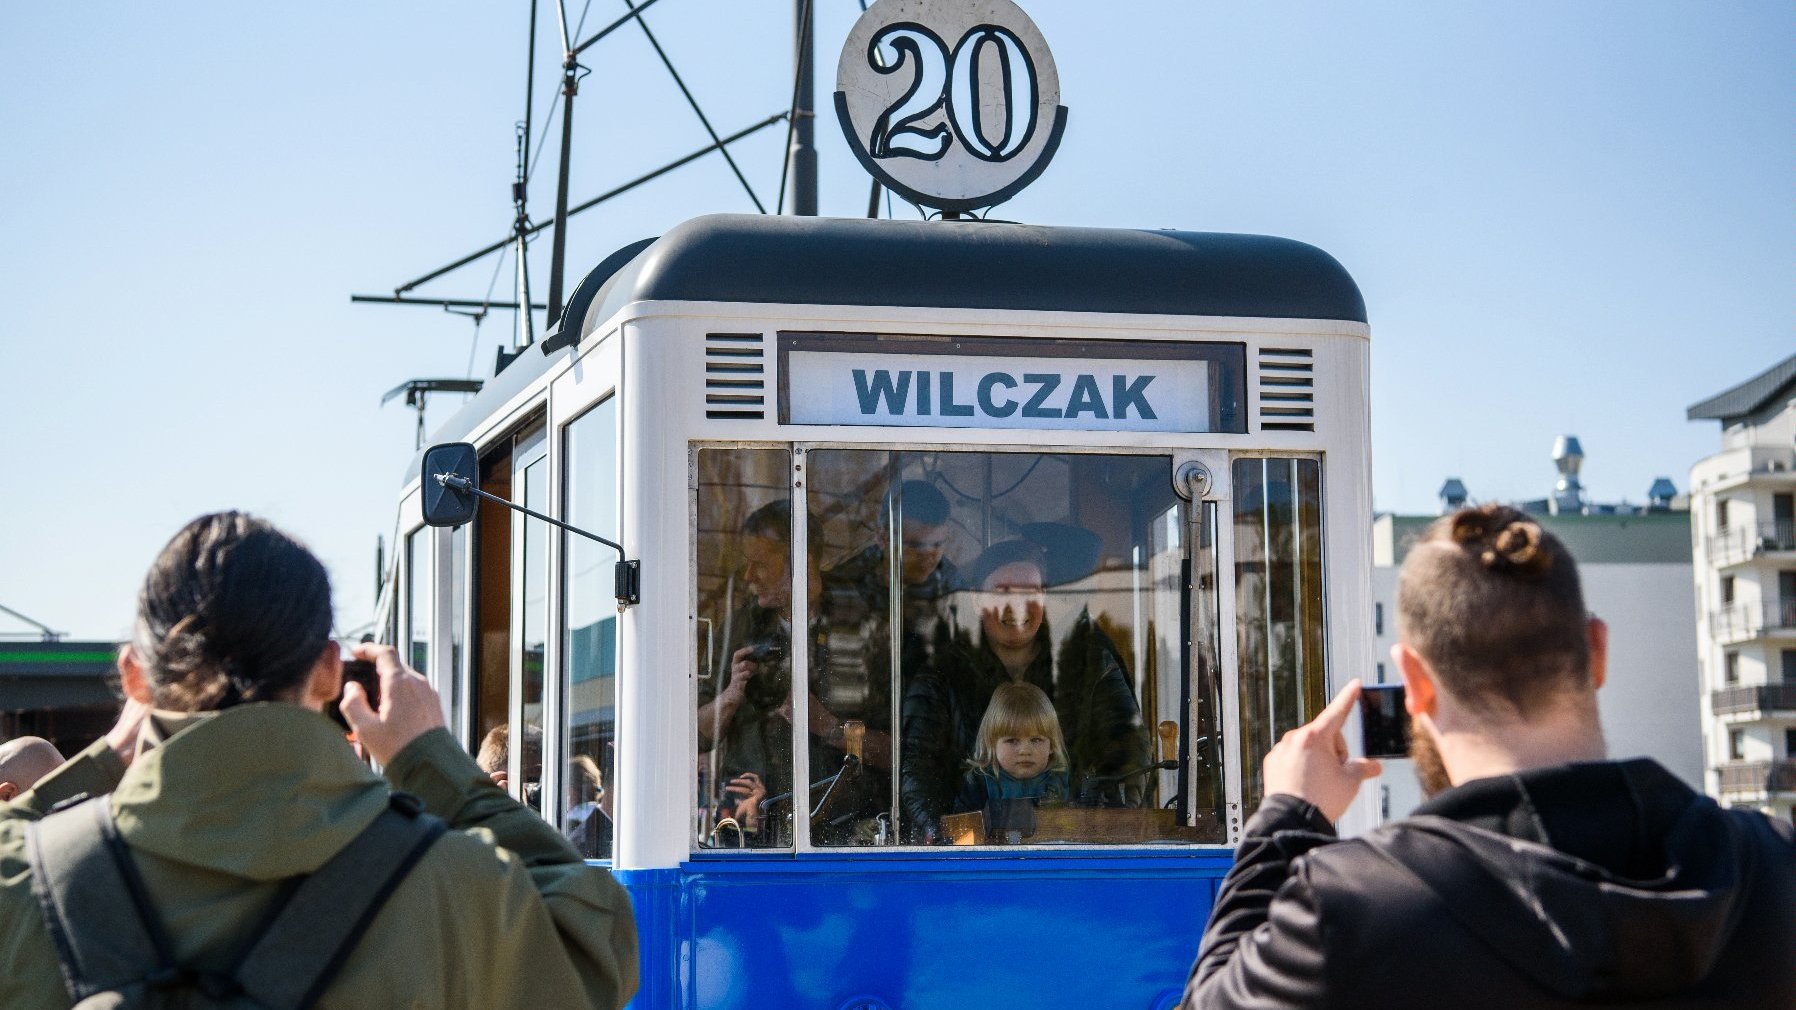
(116, 953)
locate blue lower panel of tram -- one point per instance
(898, 932)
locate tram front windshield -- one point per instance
(994, 643)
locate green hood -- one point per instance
(199, 778)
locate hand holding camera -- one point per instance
(746, 663)
(404, 708)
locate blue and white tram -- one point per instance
(903, 463)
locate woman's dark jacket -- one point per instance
(942, 710)
(1602, 883)
(1092, 696)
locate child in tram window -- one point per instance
(1020, 754)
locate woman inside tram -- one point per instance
(1106, 741)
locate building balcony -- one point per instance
(1733, 545)
(1741, 466)
(1758, 778)
(1755, 699)
(1741, 622)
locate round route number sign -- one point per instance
(952, 104)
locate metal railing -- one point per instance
(1758, 777)
(1740, 621)
(1733, 544)
(1754, 698)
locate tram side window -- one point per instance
(417, 598)
(1279, 604)
(533, 625)
(744, 565)
(589, 645)
(997, 652)
(458, 625)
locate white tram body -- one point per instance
(742, 361)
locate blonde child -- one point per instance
(1020, 754)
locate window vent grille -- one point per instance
(735, 377)
(1287, 389)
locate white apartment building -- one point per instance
(1743, 509)
(1634, 562)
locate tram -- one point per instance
(897, 464)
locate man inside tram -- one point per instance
(749, 721)
(927, 573)
(1092, 694)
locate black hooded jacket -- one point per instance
(1607, 882)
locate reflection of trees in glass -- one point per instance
(1278, 599)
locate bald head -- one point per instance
(23, 762)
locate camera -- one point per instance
(360, 671)
(766, 652)
(773, 680)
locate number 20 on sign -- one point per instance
(953, 104)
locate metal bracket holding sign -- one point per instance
(952, 104)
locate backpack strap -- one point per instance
(79, 868)
(288, 965)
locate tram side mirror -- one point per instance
(451, 476)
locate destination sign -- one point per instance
(997, 391)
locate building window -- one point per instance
(1378, 622)
(1727, 590)
(1381, 673)
(1720, 516)
(1730, 668)
(1789, 744)
(1789, 664)
(1736, 745)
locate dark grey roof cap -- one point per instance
(982, 265)
(965, 264)
(1748, 396)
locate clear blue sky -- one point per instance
(1565, 217)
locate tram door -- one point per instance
(511, 613)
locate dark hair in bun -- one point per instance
(1514, 548)
(1493, 602)
(232, 611)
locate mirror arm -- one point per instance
(629, 573)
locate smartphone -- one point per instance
(1383, 724)
(362, 672)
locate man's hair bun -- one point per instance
(1515, 548)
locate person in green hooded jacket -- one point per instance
(226, 780)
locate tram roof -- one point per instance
(964, 264)
(971, 264)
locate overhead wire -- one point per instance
(555, 107)
(643, 23)
(487, 302)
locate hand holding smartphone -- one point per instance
(1383, 722)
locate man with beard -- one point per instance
(749, 721)
(1538, 874)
